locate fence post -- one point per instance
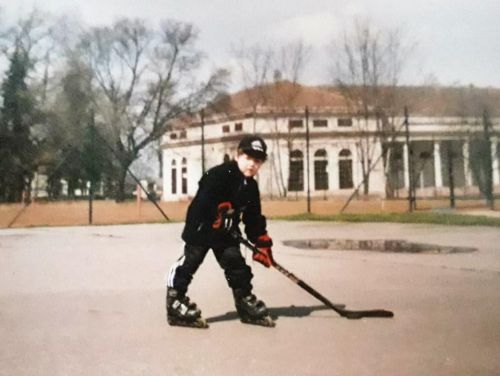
(139, 199)
(308, 181)
(411, 183)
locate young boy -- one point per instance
(225, 193)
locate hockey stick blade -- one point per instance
(353, 315)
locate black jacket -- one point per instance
(223, 183)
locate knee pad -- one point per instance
(194, 255)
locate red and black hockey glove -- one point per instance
(225, 217)
(265, 256)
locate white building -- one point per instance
(328, 143)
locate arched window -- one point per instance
(296, 175)
(174, 177)
(321, 170)
(184, 181)
(345, 169)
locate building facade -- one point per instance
(326, 152)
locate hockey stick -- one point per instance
(342, 312)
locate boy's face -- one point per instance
(249, 166)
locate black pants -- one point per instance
(238, 273)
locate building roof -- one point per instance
(282, 96)
(421, 100)
(285, 95)
(438, 101)
(288, 97)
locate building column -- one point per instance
(494, 160)
(333, 169)
(438, 172)
(406, 164)
(467, 171)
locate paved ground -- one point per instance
(90, 301)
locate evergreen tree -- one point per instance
(17, 149)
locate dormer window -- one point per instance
(320, 123)
(344, 122)
(295, 123)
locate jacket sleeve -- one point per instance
(255, 222)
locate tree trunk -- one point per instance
(488, 162)
(120, 188)
(389, 187)
(366, 184)
(160, 163)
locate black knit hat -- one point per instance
(253, 146)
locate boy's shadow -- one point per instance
(275, 313)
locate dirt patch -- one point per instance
(71, 213)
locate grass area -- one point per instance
(416, 217)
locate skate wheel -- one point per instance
(198, 323)
(266, 321)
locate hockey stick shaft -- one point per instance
(342, 312)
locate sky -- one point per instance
(456, 42)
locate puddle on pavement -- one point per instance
(380, 245)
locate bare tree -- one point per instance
(147, 78)
(27, 34)
(477, 107)
(254, 65)
(367, 66)
(270, 76)
(290, 63)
